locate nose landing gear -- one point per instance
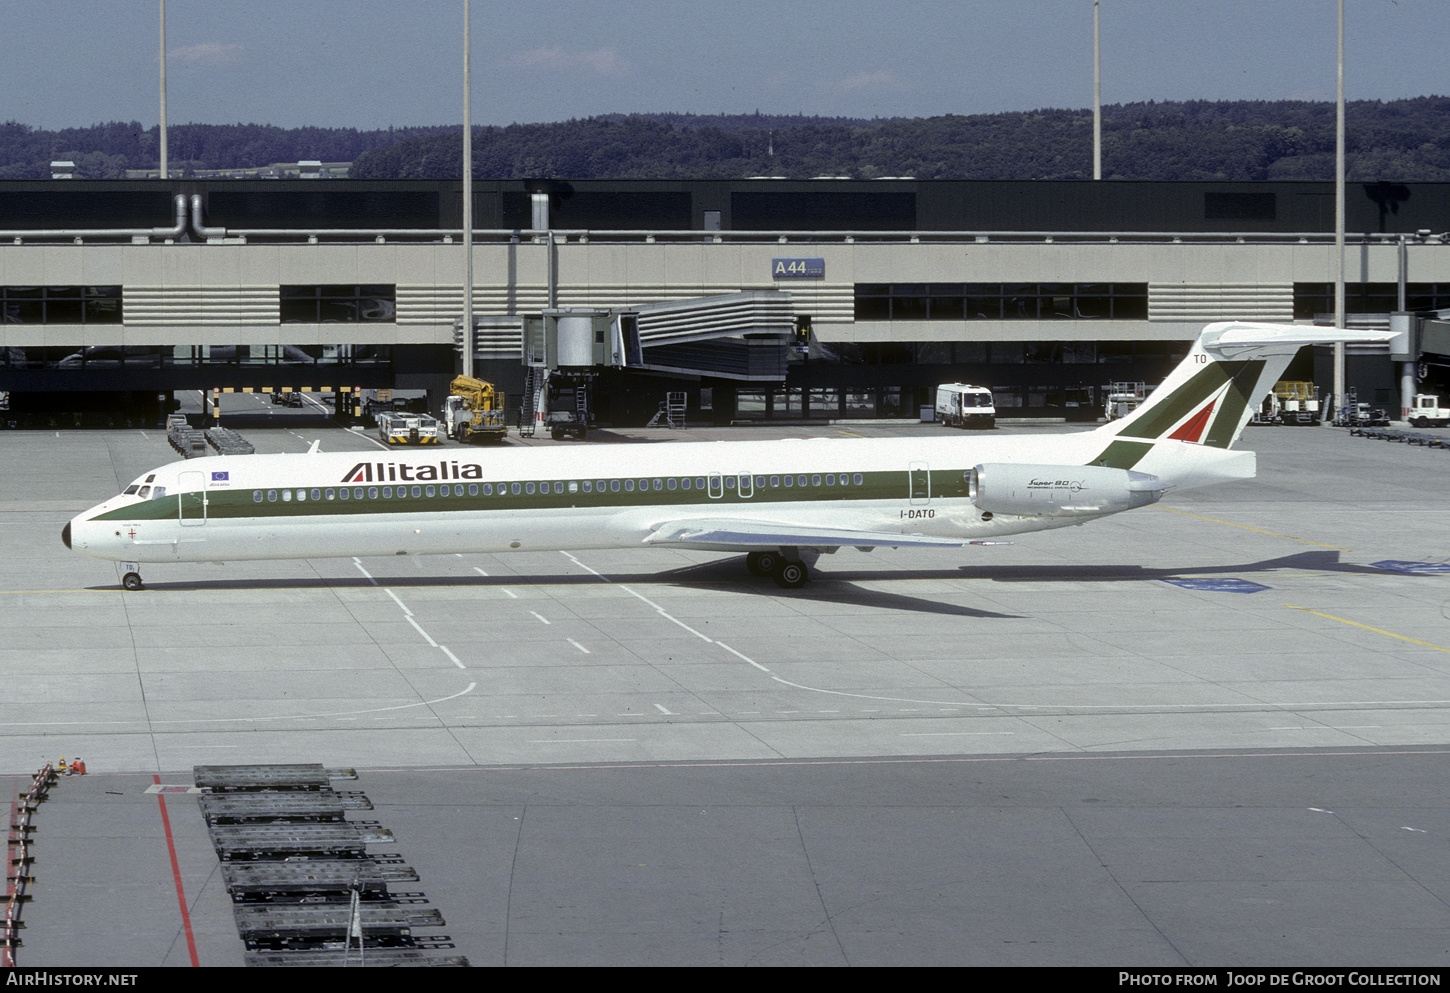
(132, 578)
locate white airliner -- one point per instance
(781, 502)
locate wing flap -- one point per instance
(744, 536)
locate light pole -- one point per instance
(162, 126)
(467, 195)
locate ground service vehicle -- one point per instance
(959, 405)
(1124, 398)
(398, 428)
(474, 411)
(1298, 402)
(1427, 412)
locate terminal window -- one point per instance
(61, 304)
(331, 303)
(1001, 301)
(1313, 300)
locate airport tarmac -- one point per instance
(1208, 732)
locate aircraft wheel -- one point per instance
(762, 563)
(791, 575)
(131, 581)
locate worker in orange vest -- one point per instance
(78, 766)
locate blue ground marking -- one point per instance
(1218, 585)
(1413, 568)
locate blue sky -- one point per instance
(376, 63)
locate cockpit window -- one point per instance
(158, 493)
(144, 493)
(130, 489)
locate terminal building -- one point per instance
(755, 299)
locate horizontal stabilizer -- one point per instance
(740, 536)
(1243, 339)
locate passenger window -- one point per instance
(473, 487)
(669, 482)
(857, 479)
(774, 480)
(659, 483)
(613, 483)
(331, 494)
(815, 480)
(759, 480)
(558, 487)
(272, 494)
(372, 493)
(287, 494)
(628, 483)
(699, 480)
(528, 487)
(257, 494)
(428, 490)
(344, 493)
(301, 496)
(418, 490)
(830, 477)
(573, 486)
(789, 481)
(515, 488)
(317, 494)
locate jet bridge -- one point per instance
(747, 336)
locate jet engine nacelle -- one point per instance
(1061, 490)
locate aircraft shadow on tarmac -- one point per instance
(828, 586)
(1316, 561)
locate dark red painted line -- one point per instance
(176, 875)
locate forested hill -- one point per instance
(1403, 140)
(107, 151)
(1400, 140)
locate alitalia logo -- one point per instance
(394, 472)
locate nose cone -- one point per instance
(65, 534)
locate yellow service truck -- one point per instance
(474, 411)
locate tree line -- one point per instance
(1401, 140)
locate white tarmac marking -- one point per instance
(421, 631)
(360, 569)
(479, 571)
(578, 646)
(539, 616)
(662, 710)
(510, 593)
(339, 715)
(453, 657)
(399, 602)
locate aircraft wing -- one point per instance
(743, 536)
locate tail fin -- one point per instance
(1209, 398)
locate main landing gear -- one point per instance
(790, 574)
(132, 579)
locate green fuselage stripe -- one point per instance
(241, 503)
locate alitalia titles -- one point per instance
(392, 472)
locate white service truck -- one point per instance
(400, 428)
(960, 405)
(1427, 412)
